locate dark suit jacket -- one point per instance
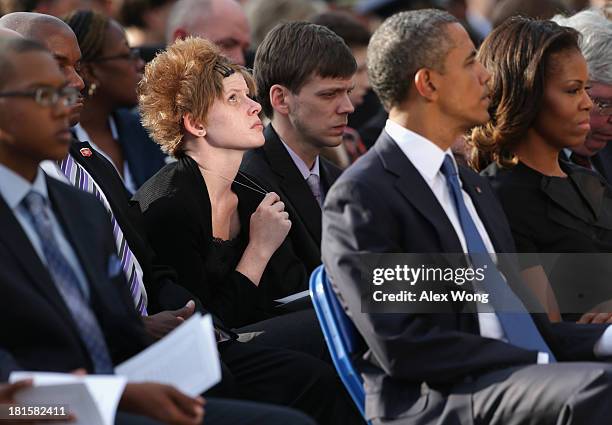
(39, 331)
(142, 154)
(8, 364)
(381, 204)
(561, 215)
(162, 291)
(178, 218)
(602, 162)
(272, 165)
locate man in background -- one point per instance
(221, 21)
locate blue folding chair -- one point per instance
(339, 332)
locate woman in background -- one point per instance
(111, 71)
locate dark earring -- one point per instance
(508, 158)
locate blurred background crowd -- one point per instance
(238, 27)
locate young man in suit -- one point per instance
(407, 195)
(60, 275)
(304, 74)
(154, 288)
(63, 269)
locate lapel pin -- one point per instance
(86, 152)
(478, 189)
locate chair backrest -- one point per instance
(340, 334)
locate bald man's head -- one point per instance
(221, 21)
(58, 37)
(32, 25)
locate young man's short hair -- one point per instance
(294, 52)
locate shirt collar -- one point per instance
(14, 188)
(301, 165)
(425, 155)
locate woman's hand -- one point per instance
(269, 224)
(268, 229)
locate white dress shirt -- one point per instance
(14, 188)
(301, 165)
(427, 158)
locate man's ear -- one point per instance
(279, 99)
(425, 82)
(193, 127)
(87, 73)
(6, 137)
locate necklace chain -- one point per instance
(258, 189)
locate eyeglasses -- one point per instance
(602, 106)
(133, 55)
(48, 96)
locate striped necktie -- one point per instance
(80, 178)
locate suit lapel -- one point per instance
(417, 192)
(591, 189)
(76, 231)
(17, 242)
(329, 173)
(105, 177)
(190, 178)
(491, 220)
(294, 187)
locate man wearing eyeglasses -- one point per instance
(596, 46)
(44, 268)
(61, 41)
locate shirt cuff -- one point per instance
(603, 346)
(543, 358)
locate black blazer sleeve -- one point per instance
(176, 235)
(163, 292)
(8, 364)
(285, 273)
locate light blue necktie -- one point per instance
(518, 325)
(67, 284)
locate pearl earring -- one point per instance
(92, 89)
